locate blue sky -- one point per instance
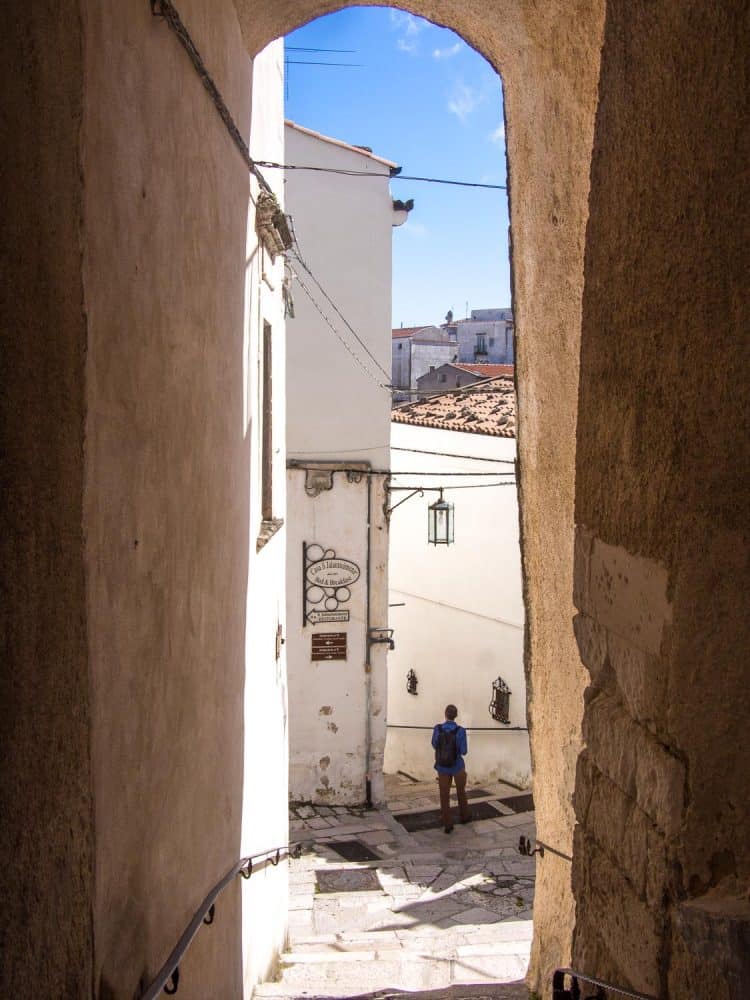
(426, 100)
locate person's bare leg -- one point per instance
(463, 802)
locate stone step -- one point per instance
(347, 951)
(483, 991)
(352, 974)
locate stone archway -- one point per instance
(122, 310)
(548, 58)
(133, 214)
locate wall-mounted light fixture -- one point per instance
(440, 522)
(500, 704)
(411, 682)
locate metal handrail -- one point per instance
(168, 977)
(574, 993)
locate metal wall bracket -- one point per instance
(378, 635)
(525, 848)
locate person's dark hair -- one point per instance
(451, 712)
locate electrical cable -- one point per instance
(166, 10)
(336, 333)
(416, 451)
(451, 454)
(471, 486)
(300, 259)
(272, 165)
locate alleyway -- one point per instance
(426, 912)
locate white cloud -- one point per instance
(463, 100)
(447, 53)
(498, 136)
(406, 22)
(408, 27)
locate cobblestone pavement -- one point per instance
(434, 913)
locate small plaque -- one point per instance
(329, 646)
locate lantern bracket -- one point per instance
(414, 493)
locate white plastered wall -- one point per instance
(337, 412)
(461, 623)
(265, 813)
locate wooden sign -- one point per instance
(329, 646)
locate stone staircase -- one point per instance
(433, 916)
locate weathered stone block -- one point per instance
(592, 645)
(711, 948)
(626, 834)
(628, 594)
(636, 762)
(627, 926)
(611, 744)
(660, 780)
(581, 565)
(642, 679)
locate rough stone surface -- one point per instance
(661, 486)
(635, 267)
(45, 774)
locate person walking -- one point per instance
(450, 746)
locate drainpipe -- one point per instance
(368, 665)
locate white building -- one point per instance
(486, 337)
(338, 431)
(265, 810)
(457, 610)
(416, 350)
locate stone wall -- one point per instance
(662, 858)
(45, 777)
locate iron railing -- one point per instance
(604, 990)
(168, 977)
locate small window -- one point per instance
(481, 347)
(441, 377)
(400, 346)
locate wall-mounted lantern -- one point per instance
(411, 682)
(500, 704)
(440, 522)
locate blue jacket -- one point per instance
(461, 746)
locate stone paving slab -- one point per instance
(445, 910)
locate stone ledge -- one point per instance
(267, 530)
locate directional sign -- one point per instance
(327, 616)
(328, 646)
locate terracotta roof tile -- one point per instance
(483, 408)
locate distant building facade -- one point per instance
(455, 376)
(416, 350)
(486, 337)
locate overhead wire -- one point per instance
(166, 10)
(451, 454)
(343, 172)
(336, 333)
(470, 486)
